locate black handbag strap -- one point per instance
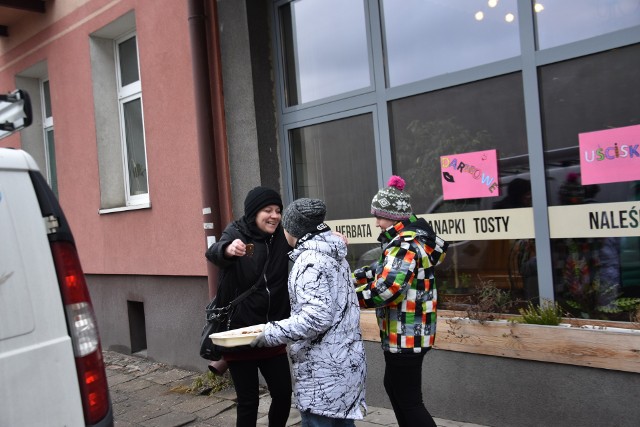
(252, 289)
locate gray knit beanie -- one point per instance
(303, 216)
(391, 202)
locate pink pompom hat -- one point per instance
(392, 202)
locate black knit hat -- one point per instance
(257, 199)
(303, 216)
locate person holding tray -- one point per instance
(253, 251)
(326, 349)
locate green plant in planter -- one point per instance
(547, 313)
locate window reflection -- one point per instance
(326, 48)
(593, 277)
(336, 162)
(483, 115)
(426, 38)
(587, 94)
(567, 21)
(487, 114)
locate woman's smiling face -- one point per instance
(268, 218)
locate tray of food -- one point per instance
(236, 337)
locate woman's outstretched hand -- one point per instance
(235, 248)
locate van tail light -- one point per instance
(83, 329)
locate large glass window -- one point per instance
(426, 38)
(596, 261)
(332, 159)
(484, 115)
(336, 161)
(469, 84)
(487, 114)
(564, 21)
(326, 48)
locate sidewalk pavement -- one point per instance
(150, 394)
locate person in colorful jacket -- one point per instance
(326, 348)
(401, 287)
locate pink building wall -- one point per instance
(168, 238)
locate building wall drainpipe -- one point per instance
(210, 123)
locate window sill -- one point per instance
(146, 205)
(596, 348)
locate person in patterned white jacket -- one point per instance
(402, 288)
(326, 349)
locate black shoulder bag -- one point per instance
(218, 319)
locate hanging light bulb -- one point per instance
(538, 7)
(479, 16)
(509, 17)
(492, 3)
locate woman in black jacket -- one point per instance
(241, 253)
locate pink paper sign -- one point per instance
(469, 175)
(610, 155)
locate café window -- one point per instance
(476, 33)
(483, 115)
(325, 53)
(336, 161)
(596, 254)
(560, 22)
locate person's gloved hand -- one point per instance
(259, 341)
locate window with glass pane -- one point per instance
(593, 277)
(336, 162)
(133, 141)
(49, 141)
(560, 22)
(128, 55)
(426, 38)
(47, 99)
(136, 156)
(483, 115)
(325, 48)
(51, 161)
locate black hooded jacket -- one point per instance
(270, 302)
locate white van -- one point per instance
(51, 367)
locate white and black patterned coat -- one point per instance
(323, 331)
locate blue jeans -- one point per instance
(313, 420)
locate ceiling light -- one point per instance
(479, 16)
(509, 17)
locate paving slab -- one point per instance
(171, 419)
(149, 394)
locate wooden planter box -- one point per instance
(610, 345)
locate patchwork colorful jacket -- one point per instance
(402, 287)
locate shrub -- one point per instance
(547, 313)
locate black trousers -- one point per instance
(403, 383)
(277, 375)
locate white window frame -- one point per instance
(126, 94)
(47, 125)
